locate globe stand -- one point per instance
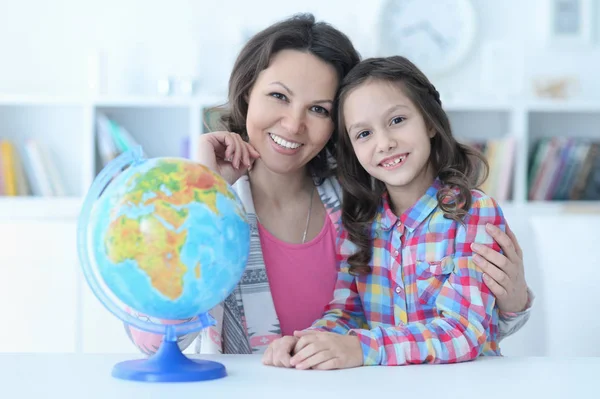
(169, 364)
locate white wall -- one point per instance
(44, 45)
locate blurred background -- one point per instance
(82, 81)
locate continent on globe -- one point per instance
(171, 236)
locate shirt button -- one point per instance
(395, 253)
(398, 290)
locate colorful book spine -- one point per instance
(8, 168)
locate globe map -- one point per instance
(169, 238)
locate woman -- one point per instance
(277, 151)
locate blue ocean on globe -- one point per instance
(169, 238)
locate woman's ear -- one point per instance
(432, 133)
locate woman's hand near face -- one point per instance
(227, 154)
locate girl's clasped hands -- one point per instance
(312, 349)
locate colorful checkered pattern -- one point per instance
(425, 300)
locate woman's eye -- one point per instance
(363, 134)
(279, 96)
(397, 120)
(320, 110)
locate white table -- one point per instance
(79, 376)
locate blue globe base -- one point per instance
(168, 365)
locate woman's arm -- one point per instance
(148, 343)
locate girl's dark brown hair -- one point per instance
(300, 33)
(460, 167)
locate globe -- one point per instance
(166, 239)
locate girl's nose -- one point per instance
(386, 143)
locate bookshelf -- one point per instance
(67, 128)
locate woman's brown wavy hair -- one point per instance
(460, 167)
(302, 33)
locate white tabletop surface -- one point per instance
(89, 376)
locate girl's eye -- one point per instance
(363, 134)
(320, 110)
(279, 96)
(398, 119)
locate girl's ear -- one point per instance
(432, 133)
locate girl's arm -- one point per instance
(345, 311)
(466, 308)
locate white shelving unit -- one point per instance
(66, 126)
(64, 316)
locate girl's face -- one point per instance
(289, 109)
(389, 135)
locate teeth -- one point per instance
(284, 143)
(395, 162)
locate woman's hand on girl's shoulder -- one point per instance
(227, 154)
(504, 274)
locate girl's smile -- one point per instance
(394, 161)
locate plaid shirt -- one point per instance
(424, 300)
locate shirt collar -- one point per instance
(414, 215)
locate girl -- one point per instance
(408, 289)
(279, 119)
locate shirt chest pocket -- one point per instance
(431, 275)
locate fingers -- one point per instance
(303, 333)
(250, 153)
(304, 341)
(245, 155)
(331, 364)
(488, 256)
(238, 152)
(498, 275)
(281, 359)
(281, 353)
(515, 242)
(238, 155)
(253, 153)
(278, 353)
(316, 360)
(503, 240)
(267, 358)
(229, 143)
(499, 292)
(309, 350)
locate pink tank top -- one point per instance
(301, 276)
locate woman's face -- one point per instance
(289, 110)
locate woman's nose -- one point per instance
(293, 121)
